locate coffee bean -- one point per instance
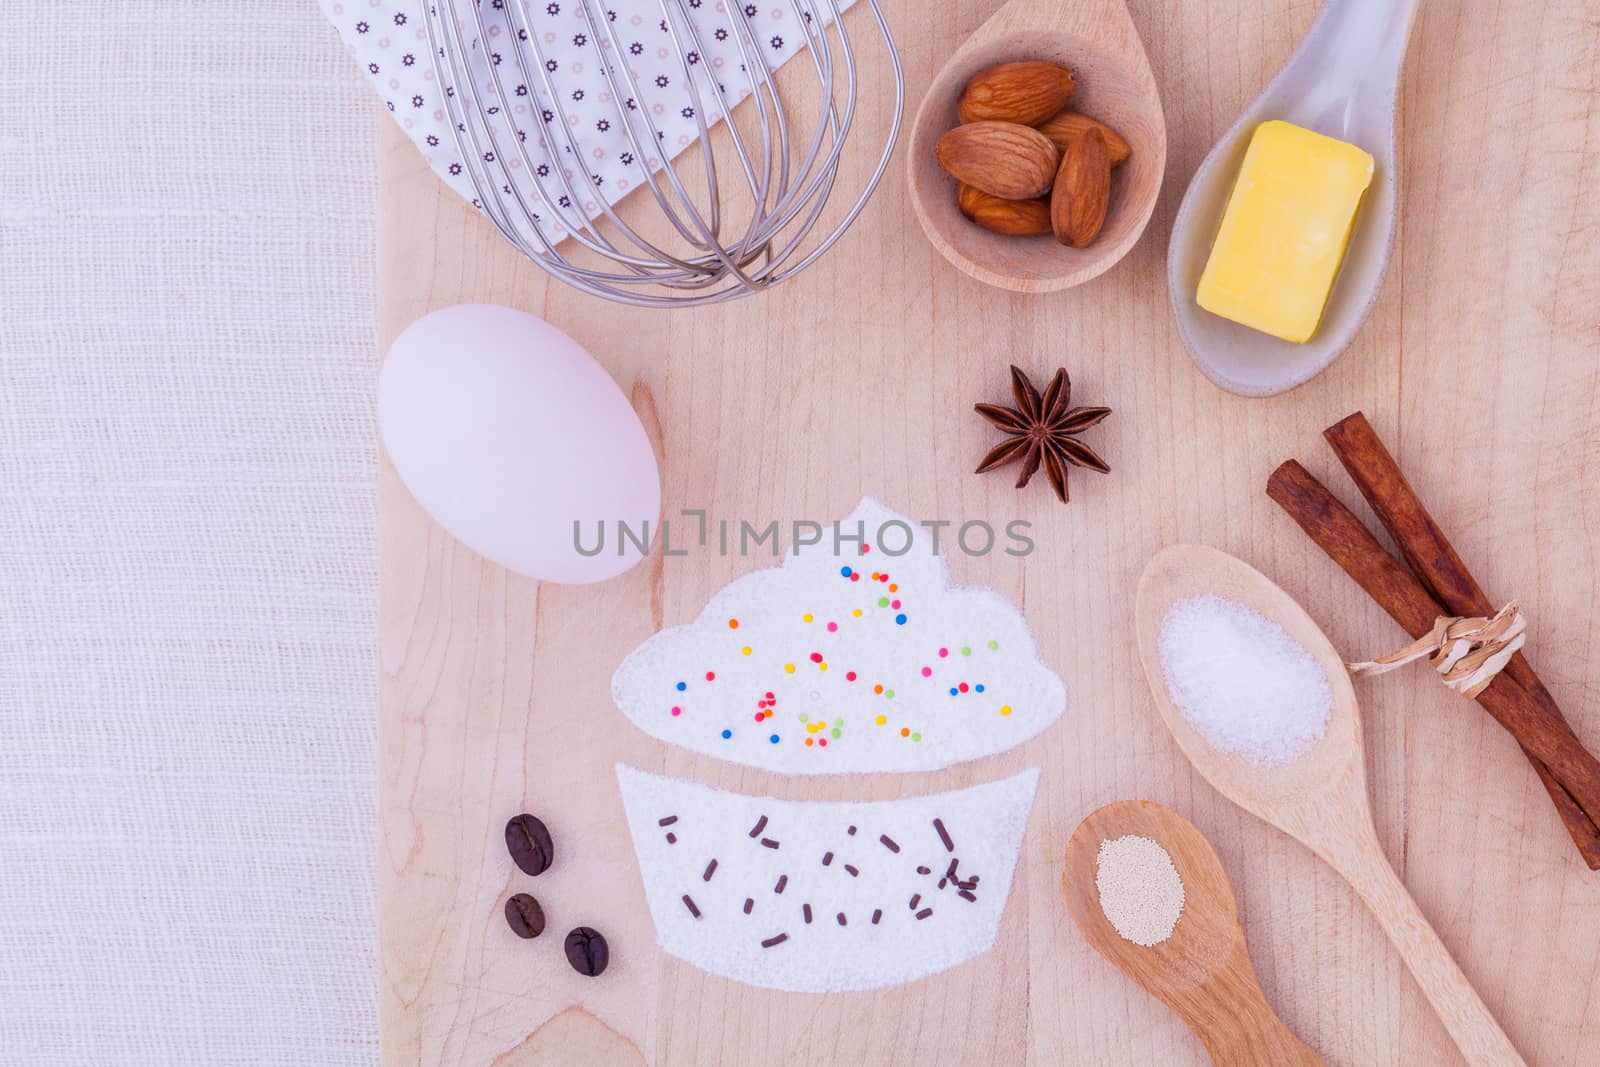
(525, 916)
(587, 951)
(529, 844)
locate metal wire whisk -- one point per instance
(786, 171)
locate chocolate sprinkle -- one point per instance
(761, 824)
(777, 940)
(668, 821)
(711, 868)
(924, 870)
(748, 904)
(924, 913)
(877, 913)
(767, 842)
(827, 858)
(841, 919)
(852, 871)
(966, 894)
(943, 882)
(688, 902)
(783, 880)
(950, 871)
(944, 835)
(888, 843)
(672, 838)
(805, 909)
(851, 830)
(914, 898)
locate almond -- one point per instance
(1082, 190)
(1028, 92)
(1062, 128)
(1015, 218)
(1001, 158)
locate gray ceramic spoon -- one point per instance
(1343, 81)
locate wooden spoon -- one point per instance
(1202, 971)
(1319, 798)
(1094, 39)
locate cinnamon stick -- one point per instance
(1573, 771)
(1441, 570)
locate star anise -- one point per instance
(1041, 431)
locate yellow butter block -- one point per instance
(1284, 232)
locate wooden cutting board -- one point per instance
(1481, 366)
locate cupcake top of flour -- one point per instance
(856, 654)
(1140, 890)
(1241, 681)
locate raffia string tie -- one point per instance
(1468, 652)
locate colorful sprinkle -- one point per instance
(883, 602)
(856, 613)
(916, 737)
(901, 619)
(943, 652)
(816, 657)
(733, 624)
(888, 694)
(962, 687)
(954, 690)
(823, 741)
(745, 650)
(877, 689)
(927, 672)
(711, 676)
(850, 676)
(978, 687)
(727, 734)
(807, 617)
(773, 739)
(833, 627)
(677, 710)
(845, 572)
(993, 645)
(966, 650)
(1005, 709)
(682, 686)
(788, 668)
(905, 731)
(881, 719)
(895, 604)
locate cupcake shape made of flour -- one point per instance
(820, 897)
(854, 655)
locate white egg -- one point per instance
(508, 433)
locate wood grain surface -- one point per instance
(1480, 367)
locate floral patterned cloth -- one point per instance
(390, 40)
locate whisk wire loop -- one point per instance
(534, 184)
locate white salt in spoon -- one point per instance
(1319, 798)
(1343, 81)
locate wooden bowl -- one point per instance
(1114, 86)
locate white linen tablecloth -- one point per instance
(187, 545)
